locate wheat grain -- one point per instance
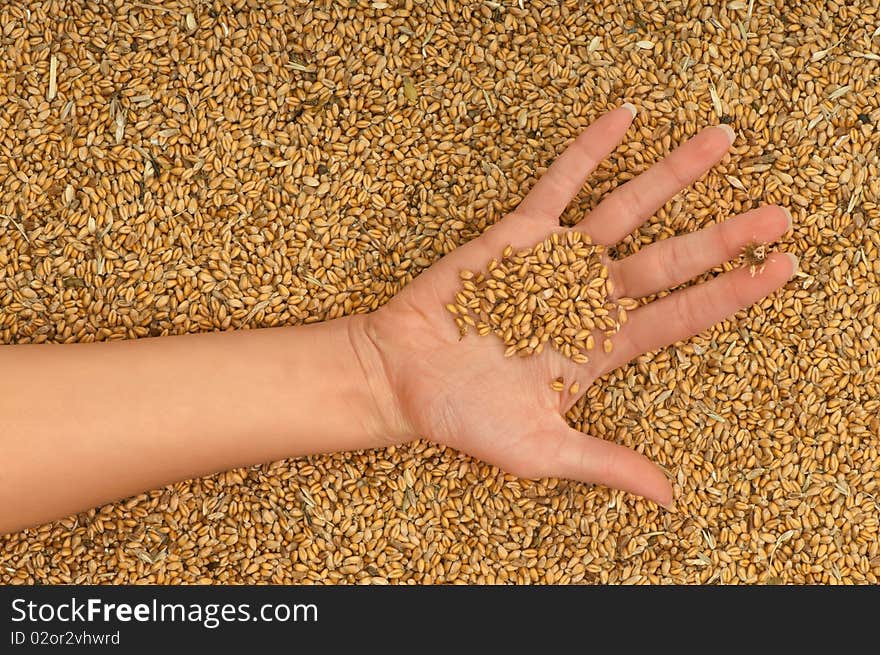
(768, 422)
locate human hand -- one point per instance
(463, 393)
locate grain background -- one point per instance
(183, 166)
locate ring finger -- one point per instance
(636, 201)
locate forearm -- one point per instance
(85, 424)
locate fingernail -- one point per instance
(795, 263)
(731, 135)
(788, 216)
(631, 107)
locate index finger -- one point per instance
(689, 311)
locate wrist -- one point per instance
(387, 425)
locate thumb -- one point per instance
(588, 459)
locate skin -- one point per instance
(86, 424)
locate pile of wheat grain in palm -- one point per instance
(556, 293)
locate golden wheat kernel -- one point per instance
(574, 389)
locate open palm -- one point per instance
(463, 393)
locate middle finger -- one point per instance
(670, 262)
